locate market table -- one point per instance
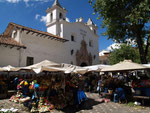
(107, 95)
(143, 98)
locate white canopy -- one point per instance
(124, 66)
(37, 68)
(66, 68)
(40, 64)
(96, 67)
(1, 69)
(9, 68)
(52, 69)
(147, 65)
(52, 66)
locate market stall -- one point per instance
(4, 79)
(122, 71)
(46, 85)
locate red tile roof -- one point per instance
(6, 40)
(11, 25)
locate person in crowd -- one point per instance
(115, 75)
(121, 77)
(15, 82)
(86, 84)
(73, 83)
(99, 85)
(126, 79)
(81, 94)
(121, 94)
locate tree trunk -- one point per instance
(141, 49)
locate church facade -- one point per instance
(64, 42)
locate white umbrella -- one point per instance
(124, 66)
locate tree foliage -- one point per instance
(125, 52)
(126, 19)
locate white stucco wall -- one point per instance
(42, 48)
(52, 29)
(77, 29)
(9, 56)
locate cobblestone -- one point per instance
(92, 105)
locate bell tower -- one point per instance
(54, 15)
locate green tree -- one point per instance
(125, 52)
(126, 19)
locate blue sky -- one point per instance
(31, 13)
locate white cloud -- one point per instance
(113, 46)
(67, 19)
(27, 1)
(102, 53)
(13, 1)
(37, 16)
(41, 18)
(131, 42)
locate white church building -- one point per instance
(64, 42)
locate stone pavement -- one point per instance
(92, 105)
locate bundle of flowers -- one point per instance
(16, 98)
(44, 105)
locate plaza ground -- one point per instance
(93, 105)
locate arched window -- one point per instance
(14, 34)
(83, 64)
(60, 15)
(72, 38)
(94, 56)
(72, 51)
(51, 17)
(91, 43)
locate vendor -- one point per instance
(80, 93)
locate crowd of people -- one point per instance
(59, 90)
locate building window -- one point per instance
(91, 43)
(51, 17)
(60, 15)
(94, 31)
(14, 34)
(30, 61)
(72, 38)
(94, 56)
(72, 51)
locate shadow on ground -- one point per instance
(87, 105)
